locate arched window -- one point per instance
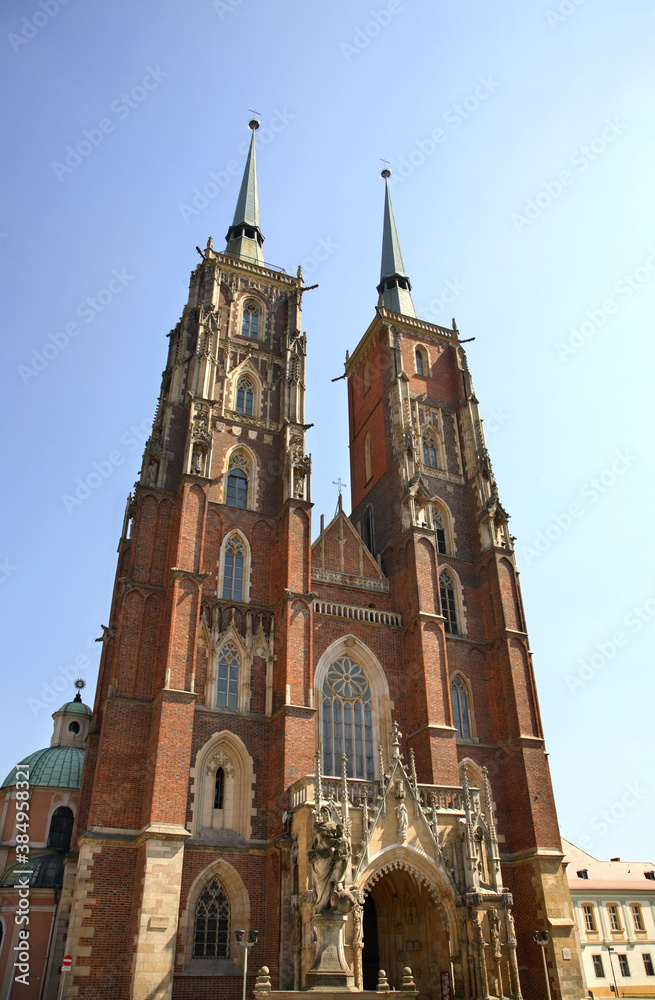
(211, 933)
(420, 362)
(440, 533)
(227, 685)
(369, 537)
(61, 829)
(237, 489)
(368, 461)
(367, 377)
(244, 396)
(219, 787)
(250, 322)
(448, 604)
(460, 708)
(233, 570)
(346, 720)
(429, 452)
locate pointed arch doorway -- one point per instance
(403, 925)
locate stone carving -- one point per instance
(329, 857)
(198, 460)
(401, 813)
(220, 759)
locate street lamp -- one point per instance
(541, 938)
(613, 952)
(241, 941)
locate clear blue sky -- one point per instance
(522, 141)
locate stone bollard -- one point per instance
(383, 984)
(263, 981)
(408, 979)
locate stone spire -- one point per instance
(244, 238)
(394, 286)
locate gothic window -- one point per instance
(368, 461)
(237, 489)
(219, 787)
(429, 452)
(233, 566)
(459, 698)
(211, 935)
(440, 533)
(244, 396)
(61, 829)
(448, 603)
(346, 720)
(369, 537)
(420, 362)
(250, 322)
(227, 685)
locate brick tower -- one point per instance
(246, 767)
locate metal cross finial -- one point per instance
(254, 112)
(386, 162)
(339, 484)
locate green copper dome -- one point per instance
(43, 871)
(53, 767)
(75, 706)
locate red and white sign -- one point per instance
(445, 986)
(66, 963)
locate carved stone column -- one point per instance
(511, 950)
(480, 945)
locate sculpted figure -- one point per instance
(329, 857)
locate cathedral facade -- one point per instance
(309, 739)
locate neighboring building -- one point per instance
(614, 907)
(47, 783)
(255, 688)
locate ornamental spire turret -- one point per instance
(394, 286)
(244, 238)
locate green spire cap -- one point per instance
(244, 238)
(394, 286)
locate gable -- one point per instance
(339, 555)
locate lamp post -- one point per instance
(611, 952)
(241, 941)
(541, 938)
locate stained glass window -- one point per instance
(211, 938)
(233, 571)
(227, 688)
(347, 721)
(250, 324)
(244, 396)
(460, 708)
(448, 605)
